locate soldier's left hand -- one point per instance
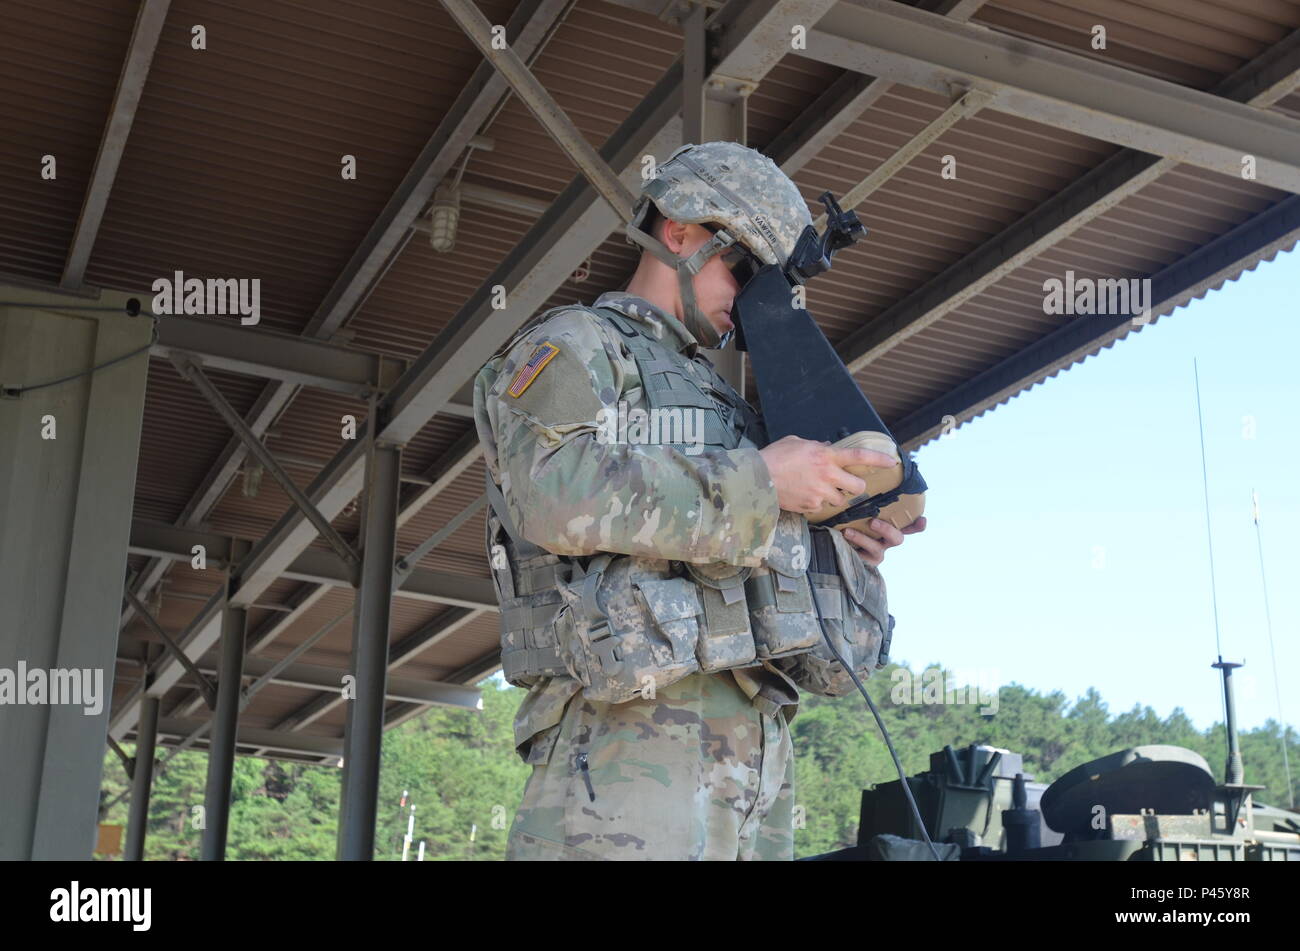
(872, 550)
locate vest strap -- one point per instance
(521, 617)
(668, 382)
(767, 706)
(532, 662)
(503, 576)
(599, 630)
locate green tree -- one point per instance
(461, 772)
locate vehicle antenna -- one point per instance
(1268, 623)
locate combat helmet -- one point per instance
(742, 192)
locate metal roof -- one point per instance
(232, 168)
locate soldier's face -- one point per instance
(715, 288)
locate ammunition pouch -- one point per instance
(624, 626)
(627, 626)
(529, 605)
(852, 604)
(780, 596)
(726, 639)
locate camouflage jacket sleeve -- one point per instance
(573, 491)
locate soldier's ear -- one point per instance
(675, 236)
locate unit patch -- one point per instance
(543, 355)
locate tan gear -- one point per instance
(901, 513)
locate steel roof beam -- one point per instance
(317, 677)
(188, 369)
(440, 475)
(205, 686)
(223, 345)
(440, 628)
(1064, 90)
(162, 540)
(476, 670)
(1260, 83)
(529, 26)
(253, 737)
(186, 706)
(579, 220)
(533, 94)
(1188, 278)
(126, 98)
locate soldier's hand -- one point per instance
(810, 474)
(872, 550)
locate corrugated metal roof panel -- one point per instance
(240, 145)
(58, 73)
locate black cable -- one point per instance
(902, 777)
(17, 390)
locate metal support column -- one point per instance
(70, 436)
(712, 111)
(225, 723)
(363, 735)
(142, 780)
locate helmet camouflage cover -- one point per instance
(736, 188)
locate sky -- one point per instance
(1066, 540)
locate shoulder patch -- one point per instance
(528, 372)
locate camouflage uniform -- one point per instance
(697, 773)
(705, 769)
(700, 766)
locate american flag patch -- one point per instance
(528, 372)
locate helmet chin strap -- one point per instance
(697, 322)
(694, 319)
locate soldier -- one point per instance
(655, 586)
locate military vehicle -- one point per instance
(1144, 804)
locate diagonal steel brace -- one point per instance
(191, 372)
(128, 762)
(205, 686)
(534, 95)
